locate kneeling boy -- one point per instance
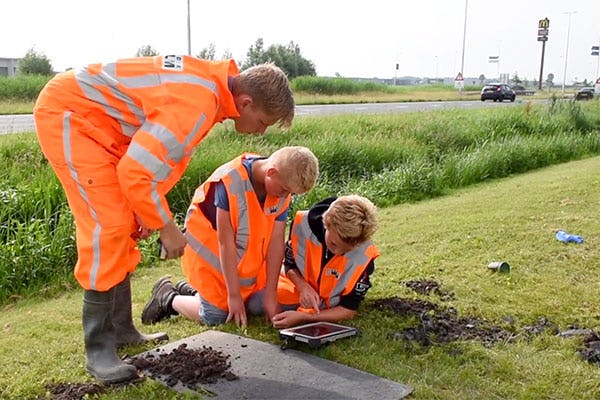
(328, 260)
(235, 228)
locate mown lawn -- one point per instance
(450, 240)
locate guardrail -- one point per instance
(524, 92)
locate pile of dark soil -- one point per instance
(79, 391)
(73, 391)
(435, 324)
(591, 348)
(190, 367)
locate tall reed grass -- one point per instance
(22, 87)
(392, 159)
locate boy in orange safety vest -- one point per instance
(119, 136)
(235, 230)
(328, 260)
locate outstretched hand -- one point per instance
(172, 240)
(287, 319)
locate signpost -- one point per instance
(459, 82)
(596, 52)
(543, 25)
(495, 60)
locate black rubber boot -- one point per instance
(159, 306)
(185, 289)
(99, 336)
(125, 331)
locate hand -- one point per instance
(142, 232)
(237, 311)
(309, 298)
(172, 240)
(288, 319)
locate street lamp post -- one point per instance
(462, 62)
(189, 29)
(567, 50)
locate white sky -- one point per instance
(351, 37)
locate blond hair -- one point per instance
(270, 90)
(352, 217)
(297, 165)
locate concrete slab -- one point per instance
(266, 371)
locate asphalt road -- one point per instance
(24, 122)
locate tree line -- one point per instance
(287, 57)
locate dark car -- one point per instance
(497, 92)
(585, 93)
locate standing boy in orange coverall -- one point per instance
(119, 136)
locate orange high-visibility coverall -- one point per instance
(252, 225)
(335, 279)
(119, 136)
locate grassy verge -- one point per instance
(11, 107)
(450, 240)
(392, 159)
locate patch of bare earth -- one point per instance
(78, 391)
(591, 348)
(436, 324)
(189, 367)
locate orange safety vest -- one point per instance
(152, 112)
(252, 226)
(336, 279)
(119, 136)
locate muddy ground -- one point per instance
(190, 367)
(430, 324)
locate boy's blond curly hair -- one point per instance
(270, 90)
(297, 166)
(352, 217)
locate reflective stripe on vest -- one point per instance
(302, 230)
(355, 260)
(68, 150)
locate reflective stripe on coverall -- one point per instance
(252, 226)
(337, 278)
(119, 136)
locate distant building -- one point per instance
(8, 66)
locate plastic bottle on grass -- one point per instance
(568, 238)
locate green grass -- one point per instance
(10, 107)
(450, 239)
(392, 159)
